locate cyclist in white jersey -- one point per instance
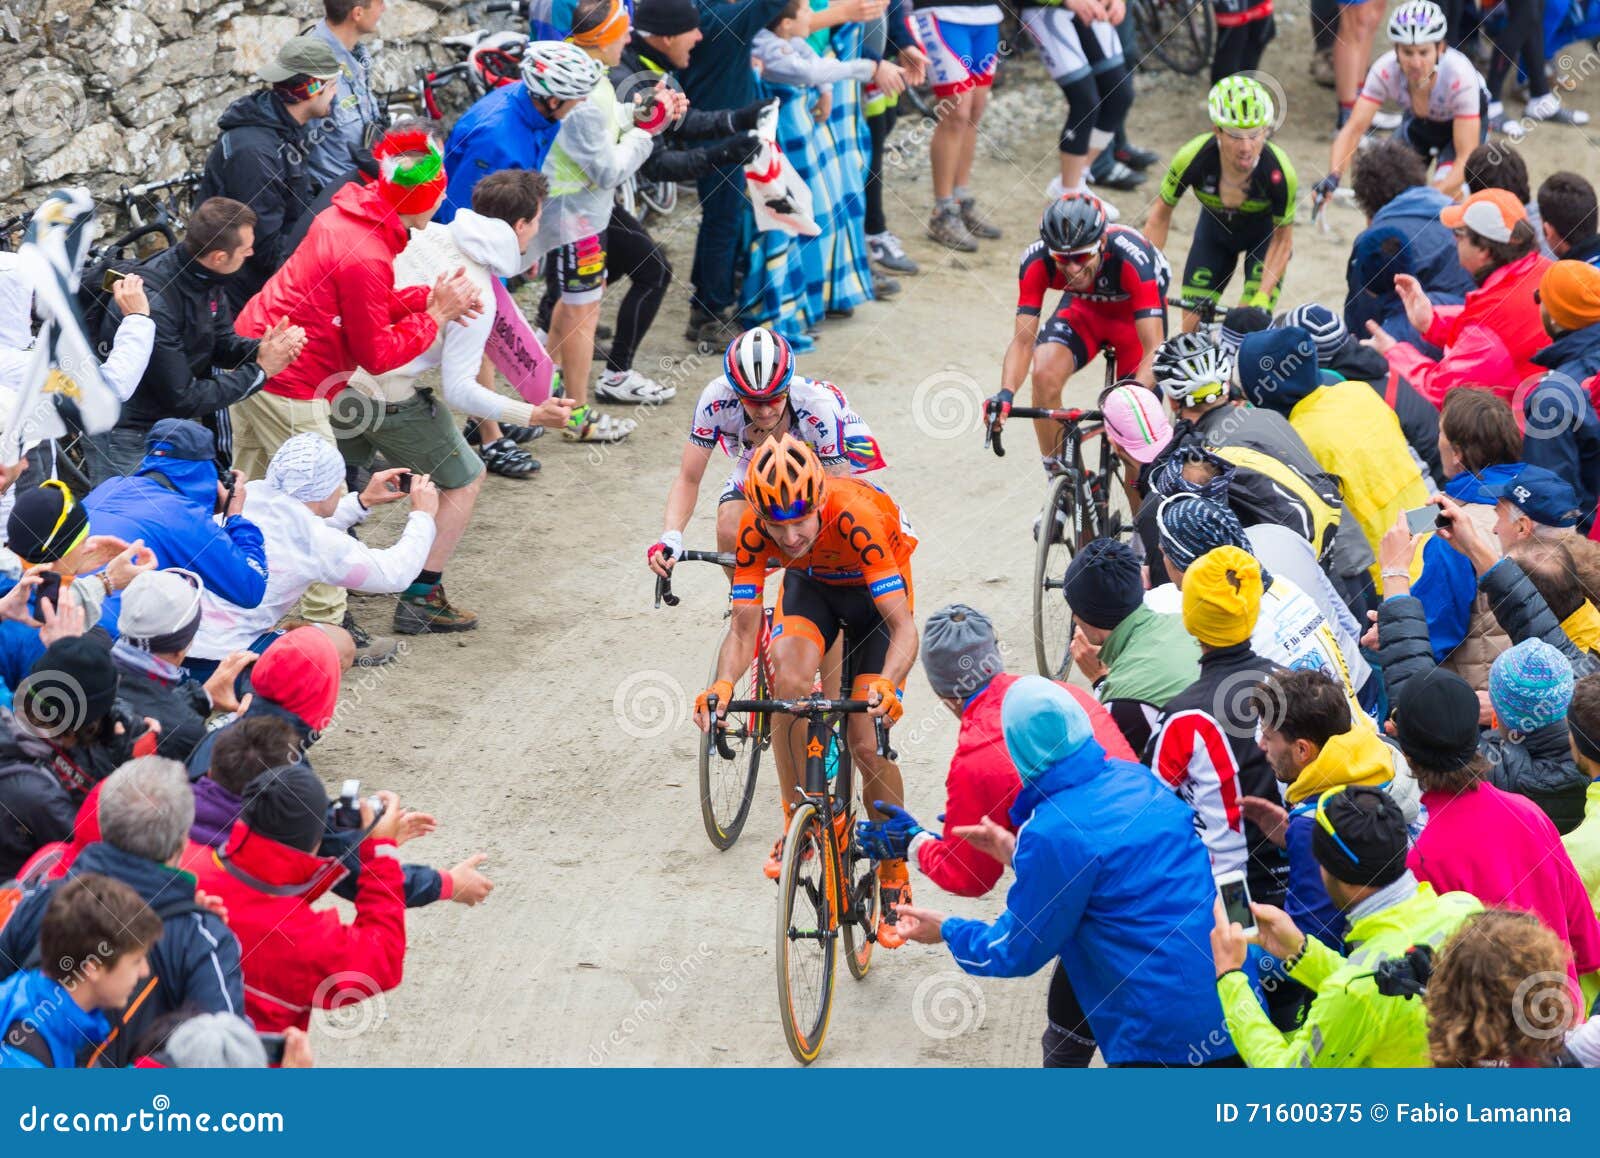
(758, 396)
(1443, 99)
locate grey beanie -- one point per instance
(959, 651)
(215, 1041)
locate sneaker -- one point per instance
(1385, 122)
(886, 250)
(1547, 108)
(632, 388)
(894, 890)
(371, 650)
(949, 231)
(1055, 190)
(1115, 175)
(1136, 158)
(425, 614)
(975, 223)
(1322, 68)
(883, 286)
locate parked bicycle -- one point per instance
(1081, 505)
(828, 888)
(1179, 33)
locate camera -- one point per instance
(347, 809)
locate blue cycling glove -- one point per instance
(889, 839)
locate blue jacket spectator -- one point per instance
(1112, 878)
(1561, 432)
(1448, 587)
(170, 503)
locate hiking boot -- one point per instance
(886, 250)
(424, 613)
(949, 231)
(894, 890)
(975, 223)
(713, 329)
(371, 650)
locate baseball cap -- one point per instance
(306, 55)
(1136, 421)
(161, 610)
(1490, 213)
(1542, 495)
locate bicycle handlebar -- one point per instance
(509, 7)
(664, 582)
(128, 192)
(1071, 417)
(803, 707)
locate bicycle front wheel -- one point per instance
(1182, 35)
(728, 786)
(807, 934)
(1059, 529)
(864, 902)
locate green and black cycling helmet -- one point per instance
(1240, 103)
(1073, 224)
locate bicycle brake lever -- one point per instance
(882, 729)
(715, 736)
(664, 592)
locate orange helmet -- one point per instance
(785, 480)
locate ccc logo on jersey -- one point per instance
(859, 538)
(751, 544)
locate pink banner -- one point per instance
(516, 352)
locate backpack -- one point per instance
(95, 301)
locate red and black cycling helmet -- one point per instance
(759, 365)
(1074, 223)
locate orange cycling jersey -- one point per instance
(863, 542)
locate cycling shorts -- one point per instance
(578, 270)
(1086, 329)
(1438, 138)
(1214, 254)
(820, 611)
(960, 56)
(1071, 49)
(732, 492)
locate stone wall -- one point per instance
(107, 94)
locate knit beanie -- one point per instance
(1367, 846)
(215, 1041)
(1222, 597)
(72, 685)
(1277, 368)
(161, 611)
(1238, 322)
(1190, 526)
(1436, 721)
(288, 805)
(959, 651)
(1103, 584)
(665, 17)
(46, 523)
(1327, 329)
(411, 176)
(1570, 294)
(1530, 686)
(1167, 479)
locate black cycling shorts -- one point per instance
(1214, 254)
(1438, 138)
(578, 270)
(820, 611)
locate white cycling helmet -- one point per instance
(1418, 22)
(1191, 369)
(561, 71)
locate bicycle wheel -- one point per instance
(1058, 540)
(728, 786)
(660, 196)
(1178, 32)
(865, 902)
(806, 934)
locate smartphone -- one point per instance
(1425, 519)
(109, 280)
(1235, 894)
(273, 1044)
(49, 588)
(404, 483)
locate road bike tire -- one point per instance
(727, 787)
(806, 964)
(660, 197)
(1052, 618)
(1180, 33)
(860, 872)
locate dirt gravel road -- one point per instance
(557, 736)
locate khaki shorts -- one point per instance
(263, 422)
(419, 434)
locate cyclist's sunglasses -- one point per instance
(1246, 134)
(1081, 257)
(1327, 825)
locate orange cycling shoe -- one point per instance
(773, 869)
(894, 888)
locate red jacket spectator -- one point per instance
(338, 285)
(982, 781)
(1488, 341)
(296, 959)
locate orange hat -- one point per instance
(1490, 213)
(613, 28)
(1570, 294)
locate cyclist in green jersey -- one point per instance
(1246, 189)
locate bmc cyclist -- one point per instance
(1444, 99)
(846, 554)
(1114, 285)
(1246, 189)
(758, 397)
